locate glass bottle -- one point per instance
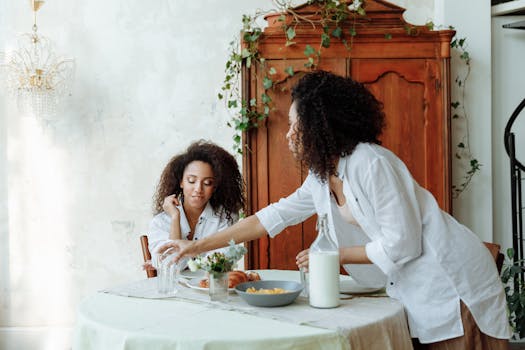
(323, 268)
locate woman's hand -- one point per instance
(302, 260)
(170, 206)
(184, 248)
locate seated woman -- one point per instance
(200, 192)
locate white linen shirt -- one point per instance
(207, 224)
(431, 262)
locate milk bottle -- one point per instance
(323, 268)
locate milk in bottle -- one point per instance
(323, 268)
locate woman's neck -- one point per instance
(192, 214)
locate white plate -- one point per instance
(192, 274)
(194, 284)
(349, 286)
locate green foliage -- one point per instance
(248, 115)
(512, 278)
(463, 153)
(332, 15)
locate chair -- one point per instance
(494, 250)
(147, 255)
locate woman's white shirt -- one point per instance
(431, 262)
(207, 224)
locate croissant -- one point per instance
(253, 276)
(236, 277)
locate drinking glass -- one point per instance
(167, 272)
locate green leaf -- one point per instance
(388, 36)
(308, 51)
(461, 145)
(455, 104)
(310, 63)
(290, 33)
(245, 53)
(232, 104)
(325, 40)
(253, 102)
(337, 32)
(430, 25)
(220, 96)
(272, 71)
(361, 11)
(352, 31)
(455, 116)
(289, 71)
(267, 83)
(265, 99)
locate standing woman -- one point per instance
(200, 192)
(437, 268)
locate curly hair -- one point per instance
(334, 115)
(228, 197)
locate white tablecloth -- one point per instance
(190, 321)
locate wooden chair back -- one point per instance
(494, 250)
(147, 255)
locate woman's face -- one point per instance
(198, 184)
(293, 136)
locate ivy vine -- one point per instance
(248, 114)
(463, 151)
(512, 277)
(330, 16)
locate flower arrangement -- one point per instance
(218, 262)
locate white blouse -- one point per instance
(207, 224)
(431, 261)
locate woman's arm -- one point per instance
(243, 231)
(347, 255)
(170, 207)
(353, 255)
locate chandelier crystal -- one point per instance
(35, 75)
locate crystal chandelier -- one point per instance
(34, 74)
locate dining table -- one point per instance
(134, 316)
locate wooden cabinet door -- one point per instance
(417, 126)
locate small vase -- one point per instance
(218, 286)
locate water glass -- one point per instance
(167, 272)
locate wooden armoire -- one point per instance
(406, 67)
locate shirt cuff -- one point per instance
(376, 253)
(271, 220)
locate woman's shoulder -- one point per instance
(367, 154)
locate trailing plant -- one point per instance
(512, 277)
(330, 17)
(463, 151)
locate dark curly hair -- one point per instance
(229, 186)
(334, 114)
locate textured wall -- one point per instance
(76, 191)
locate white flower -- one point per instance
(193, 265)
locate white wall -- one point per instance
(471, 19)
(508, 47)
(76, 192)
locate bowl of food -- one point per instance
(269, 293)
